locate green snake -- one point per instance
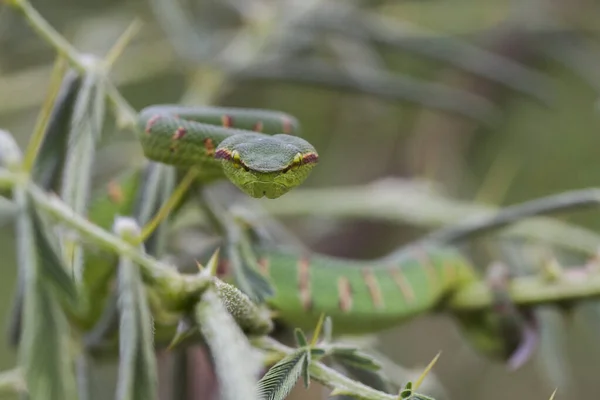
(359, 296)
(238, 144)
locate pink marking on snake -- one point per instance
(151, 122)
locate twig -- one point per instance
(572, 200)
(127, 114)
(531, 291)
(177, 289)
(395, 201)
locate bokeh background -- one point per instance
(415, 105)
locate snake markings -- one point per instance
(258, 127)
(150, 123)
(402, 283)
(304, 283)
(344, 294)
(264, 265)
(373, 287)
(255, 149)
(115, 192)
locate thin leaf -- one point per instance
(407, 392)
(85, 131)
(552, 355)
(427, 369)
(354, 357)
(54, 269)
(236, 363)
(44, 352)
(317, 331)
(373, 379)
(305, 371)
(137, 362)
(300, 338)
(48, 163)
(279, 381)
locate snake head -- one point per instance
(266, 166)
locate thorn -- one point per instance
(553, 394)
(184, 330)
(427, 369)
(317, 332)
(200, 266)
(213, 263)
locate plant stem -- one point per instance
(395, 201)
(573, 285)
(327, 376)
(177, 289)
(127, 115)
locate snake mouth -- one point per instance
(268, 189)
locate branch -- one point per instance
(395, 201)
(83, 64)
(572, 200)
(177, 290)
(573, 285)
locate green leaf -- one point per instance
(279, 381)
(300, 338)
(246, 271)
(137, 362)
(85, 131)
(352, 356)
(54, 269)
(44, 350)
(305, 371)
(373, 379)
(317, 352)
(237, 364)
(552, 347)
(51, 155)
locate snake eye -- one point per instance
(235, 156)
(298, 159)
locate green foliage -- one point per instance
(44, 351)
(279, 381)
(137, 364)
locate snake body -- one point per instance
(255, 149)
(360, 296)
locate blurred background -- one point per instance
(492, 101)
